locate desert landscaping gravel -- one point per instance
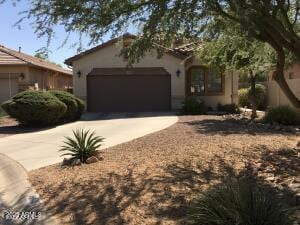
(151, 180)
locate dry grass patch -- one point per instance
(152, 179)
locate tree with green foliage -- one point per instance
(275, 22)
(233, 49)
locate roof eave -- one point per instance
(70, 60)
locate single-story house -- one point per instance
(20, 71)
(101, 78)
(276, 96)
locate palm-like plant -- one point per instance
(82, 146)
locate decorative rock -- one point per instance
(77, 162)
(66, 162)
(294, 186)
(277, 127)
(92, 159)
(270, 178)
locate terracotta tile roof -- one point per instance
(181, 52)
(12, 57)
(187, 49)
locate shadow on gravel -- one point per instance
(228, 126)
(25, 212)
(149, 198)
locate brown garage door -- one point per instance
(128, 90)
(9, 86)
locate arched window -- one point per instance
(203, 81)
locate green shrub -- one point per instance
(282, 114)
(261, 97)
(230, 108)
(82, 146)
(194, 106)
(2, 112)
(239, 202)
(35, 108)
(71, 103)
(243, 97)
(81, 107)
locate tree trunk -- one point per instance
(252, 96)
(280, 79)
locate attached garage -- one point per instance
(8, 86)
(128, 90)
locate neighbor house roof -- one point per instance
(179, 52)
(12, 57)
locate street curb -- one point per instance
(18, 196)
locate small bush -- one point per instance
(240, 202)
(81, 107)
(35, 108)
(261, 97)
(71, 103)
(230, 108)
(193, 106)
(2, 112)
(243, 97)
(82, 146)
(282, 114)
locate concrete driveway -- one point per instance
(39, 149)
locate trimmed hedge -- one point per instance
(261, 97)
(194, 106)
(72, 106)
(35, 108)
(282, 114)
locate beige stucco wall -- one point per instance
(275, 95)
(47, 79)
(32, 75)
(109, 57)
(14, 69)
(293, 72)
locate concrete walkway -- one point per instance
(16, 195)
(39, 149)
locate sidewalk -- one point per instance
(17, 195)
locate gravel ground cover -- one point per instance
(151, 180)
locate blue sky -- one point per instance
(12, 37)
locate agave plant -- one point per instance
(240, 202)
(82, 146)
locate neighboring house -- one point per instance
(275, 95)
(102, 79)
(19, 72)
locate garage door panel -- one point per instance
(128, 93)
(8, 88)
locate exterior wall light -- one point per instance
(178, 72)
(79, 73)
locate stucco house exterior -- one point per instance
(101, 78)
(20, 71)
(276, 96)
